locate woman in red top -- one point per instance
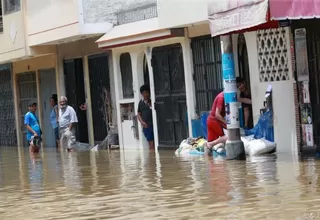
(216, 122)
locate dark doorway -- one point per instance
(27, 86)
(170, 94)
(243, 60)
(313, 50)
(74, 79)
(100, 95)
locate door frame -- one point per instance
(188, 74)
(40, 98)
(169, 96)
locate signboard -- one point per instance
(230, 15)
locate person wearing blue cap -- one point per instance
(32, 125)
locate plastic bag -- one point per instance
(264, 127)
(204, 118)
(192, 146)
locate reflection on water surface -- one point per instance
(148, 185)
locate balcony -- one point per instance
(61, 21)
(12, 36)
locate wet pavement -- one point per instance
(148, 185)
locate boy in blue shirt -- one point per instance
(32, 124)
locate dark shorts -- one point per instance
(148, 133)
(56, 133)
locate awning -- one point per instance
(136, 33)
(294, 9)
(227, 16)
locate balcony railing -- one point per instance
(137, 14)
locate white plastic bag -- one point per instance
(184, 148)
(260, 146)
(246, 142)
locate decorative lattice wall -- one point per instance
(273, 55)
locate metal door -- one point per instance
(207, 76)
(47, 89)
(8, 135)
(100, 95)
(170, 95)
(74, 78)
(27, 85)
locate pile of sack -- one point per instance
(192, 146)
(252, 146)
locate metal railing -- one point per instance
(137, 14)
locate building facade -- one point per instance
(102, 55)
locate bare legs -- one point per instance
(246, 117)
(220, 140)
(151, 145)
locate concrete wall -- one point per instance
(48, 20)
(283, 100)
(174, 13)
(106, 12)
(12, 40)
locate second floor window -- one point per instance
(11, 6)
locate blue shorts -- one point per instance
(56, 133)
(148, 133)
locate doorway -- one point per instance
(100, 95)
(244, 70)
(244, 73)
(170, 95)
(74, 78)
(27, 86)
(47, 79)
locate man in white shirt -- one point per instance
(67, 120)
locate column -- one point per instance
(234, 145)
(190, 91)
(88, 99)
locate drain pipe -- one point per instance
(234, 146)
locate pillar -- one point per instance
(234, 145)
(190, 90)
(88, 99)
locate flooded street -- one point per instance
(147, 185)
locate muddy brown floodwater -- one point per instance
(147, 185)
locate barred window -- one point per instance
(11, 6)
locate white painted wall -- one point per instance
(12, 48)
(106, 12)
(47, 14)
(173, 13)
(283, 100)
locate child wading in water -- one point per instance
(145, 115)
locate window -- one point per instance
(126, 76)
(1, 19)
(11, 6)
